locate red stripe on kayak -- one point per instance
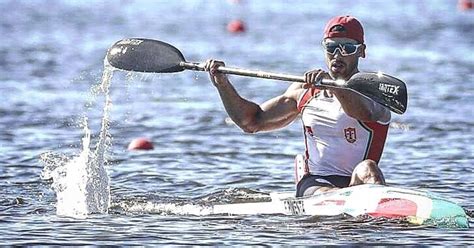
(394, 208)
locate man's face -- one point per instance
(340, 66)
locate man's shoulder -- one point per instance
(295, 86)
(385, 116)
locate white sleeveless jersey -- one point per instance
(336, 142)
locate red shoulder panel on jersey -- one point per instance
(377, 142)
(306, 97)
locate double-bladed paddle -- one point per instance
(147, 55)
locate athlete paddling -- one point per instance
(344, 132)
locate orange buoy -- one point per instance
(466, 4)
(140, 144)
(236, 26)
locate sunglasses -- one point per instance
(345, 49)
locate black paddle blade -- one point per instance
(145, 55)
(384, 89)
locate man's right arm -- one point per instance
(249, 116)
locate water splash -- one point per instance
(81, 183)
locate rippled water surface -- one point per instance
(51, 62)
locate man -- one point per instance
(344, 132)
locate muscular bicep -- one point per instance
(279, 111)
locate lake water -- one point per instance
(51, 64)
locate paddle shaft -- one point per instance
(385, 90)
(256, 74)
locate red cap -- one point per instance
(351, 28)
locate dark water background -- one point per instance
(51, 54)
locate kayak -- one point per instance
(368, 200)
(417, 207)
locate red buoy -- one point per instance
(236, 26)
(140, 144)
(466, 4)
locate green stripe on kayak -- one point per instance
(447, 214)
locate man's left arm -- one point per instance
(360, 107)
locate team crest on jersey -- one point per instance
(350, 134)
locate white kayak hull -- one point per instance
(417, 207)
